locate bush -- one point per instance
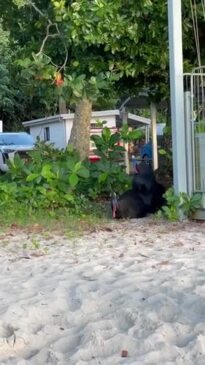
(179, 206)
(108, 174)
(49, 180)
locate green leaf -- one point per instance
(97, 139)
(103, 177)
(70, 164)
(119, 149)
(135, 134)
(83, 172)
(42, 190)
(77, 93)
(20, 3)
(114, 139)
(73, 179)
(77, 166)
(162, 152)
(106, 134)
(56, 4)
(69, 197)
(46, 172)
(31, 177)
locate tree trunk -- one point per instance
(80, 133)
(62, 105)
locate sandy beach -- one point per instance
(130, 293)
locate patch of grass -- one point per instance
(60, 220)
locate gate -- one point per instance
(195, 130)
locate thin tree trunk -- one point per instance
(80, 133)
(62, 105)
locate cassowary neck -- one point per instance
(115, 207)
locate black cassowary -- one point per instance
(148, 189)
(158, 199)
(144, 178)
(146, 195)
(128, 205)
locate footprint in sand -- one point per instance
(11, 346)
(74, 302)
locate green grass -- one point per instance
(61, 220)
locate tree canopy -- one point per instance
(100, 49)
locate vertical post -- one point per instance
(189, 142)
(1, 125)
(126, 145)
(177, 96)
(154, 136)
(146, 134)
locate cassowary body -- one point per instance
(158, 199)
(128, 205)
(144, 178)
(146, 196)
(149, 190)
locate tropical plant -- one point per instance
(107, 145)
(179, 206)
(108, 174)
(48, 180)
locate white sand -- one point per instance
(137, 286)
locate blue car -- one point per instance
(12, 143)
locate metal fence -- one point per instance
(199, 155)
(195, 82)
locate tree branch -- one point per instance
(39, 11)
(50, 35)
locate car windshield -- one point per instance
(17, 139)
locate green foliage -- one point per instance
(103, 49)
(95, 38)
(128, 135)
(108, 174)
(171, 210)
(52, 179)
(48, 180)
(20, 3)
(105, 177)
(179, 206)
(190, 204)
(76, 87)
(6, 97)
(167, 153)
(166, 160)
(200, 127)
(107, 145)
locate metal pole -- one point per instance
(177, 96)
(189, 144)
(154, 136)
(126, 145)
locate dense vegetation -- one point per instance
(56, 182)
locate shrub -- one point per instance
(52, 179)
(179, 206)
(49, 180)
(108, 174)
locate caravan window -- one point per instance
(46, 134)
